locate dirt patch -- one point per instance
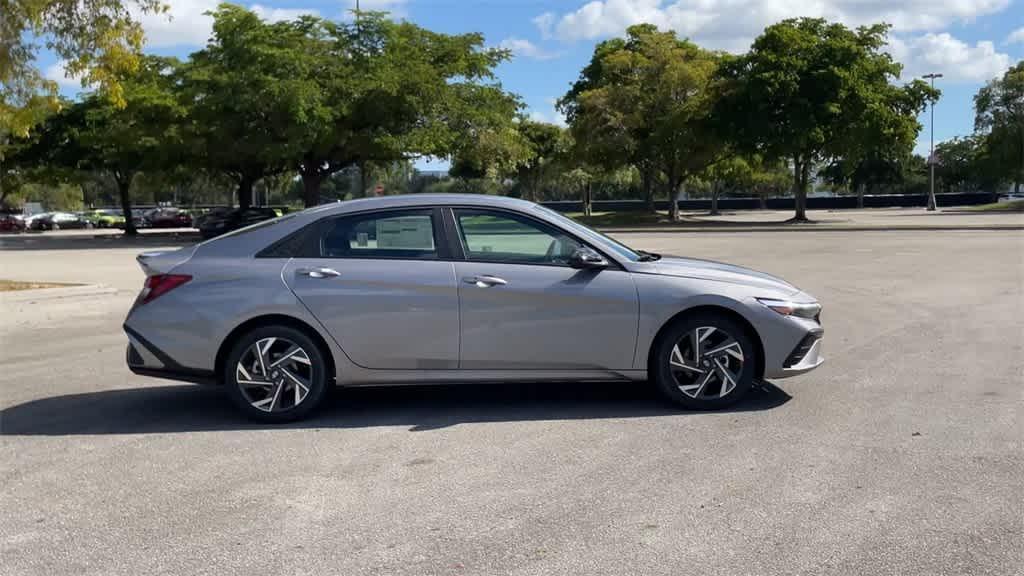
(13, 285)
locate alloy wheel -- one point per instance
(274, 374)
(706, 363)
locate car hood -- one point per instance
(720, 271)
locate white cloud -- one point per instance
(278, 14)
(187, 24)
(733, 24)
(526, 49)
(548, 114)
(1016, 37)
(184, 24)
(545, 23)
(956, 60)
(57, 73)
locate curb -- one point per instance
(808, 228)
(38, 294)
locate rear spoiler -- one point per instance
(163, 261)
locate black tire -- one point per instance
(662, 372)
(318, 374)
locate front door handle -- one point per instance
(485, 281)
(319, 272)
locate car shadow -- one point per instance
(167, 409)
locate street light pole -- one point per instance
(931, 148)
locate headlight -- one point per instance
(787, 308)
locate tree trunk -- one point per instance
(860, 196)
(588, 207)
(674, 191)
(124, 185)
(530, 185)
(245, 192)
(647, 182)
(800, 174)
(763, 197)
(362, 179)
(1020, 167)
(715, 191)
(311, 181)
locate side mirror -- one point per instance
(586, 259)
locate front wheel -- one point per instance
(276, 374)
(704, 362)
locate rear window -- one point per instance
(406, 234)
(257, 226)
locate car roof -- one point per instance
(233, 245)
(404, 200)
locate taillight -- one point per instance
(160, 284)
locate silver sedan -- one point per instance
(452, 288)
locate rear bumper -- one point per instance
(192, 376)
(145, 359)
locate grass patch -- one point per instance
(1011, 206)
(13, 285)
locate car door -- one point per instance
(522, 305)
(383, 285)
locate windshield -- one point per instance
(619, 248)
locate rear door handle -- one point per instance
(485, 281)
(319, 272)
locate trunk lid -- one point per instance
(155, 262)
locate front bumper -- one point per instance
(806, 356)
(792, 344)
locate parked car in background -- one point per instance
(200, 219)
(12, 223)
(215, 224)
(139, 217)
(450, 288)
(60, 221)
(31, 220)
(106, 218)
(168, 218)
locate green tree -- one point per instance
(491, 153)
(647, 100)
(250, 98)
(97, 135)
(769, 179)
(97, 39)
(730, 172)
(810, 91)
(967, 165)
(546, 145)
(317, 96)
(999, 115)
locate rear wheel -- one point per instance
(704, 362)
(276, 374)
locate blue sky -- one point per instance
(969, 41)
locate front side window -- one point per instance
(491, 236)
(406, 234)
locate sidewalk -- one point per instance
(840, 220)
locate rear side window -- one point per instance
(404, 234)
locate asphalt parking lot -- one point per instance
(901, 455)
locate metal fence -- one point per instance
(813, 203)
